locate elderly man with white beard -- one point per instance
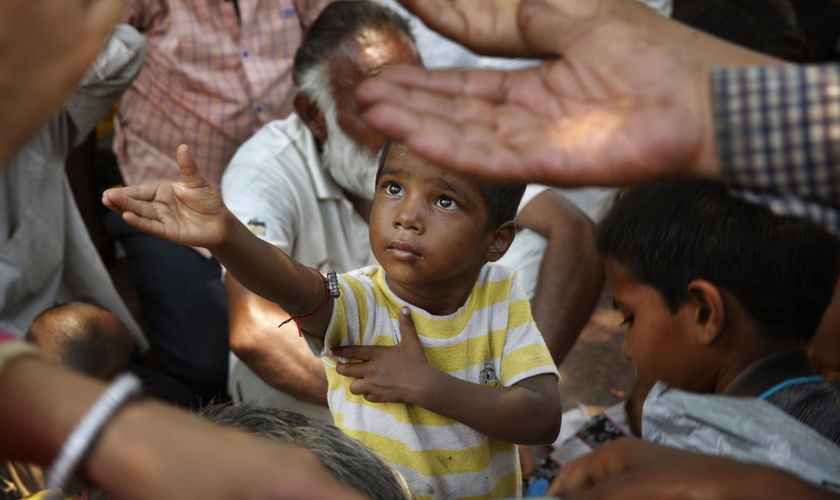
(306, 183)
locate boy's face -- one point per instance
(428, 225)
(662, 345)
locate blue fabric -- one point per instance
(787, 383)
(184, 305)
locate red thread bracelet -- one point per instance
(298, 318)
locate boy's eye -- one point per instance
(393, 188)
(628, 321)
(446, 203)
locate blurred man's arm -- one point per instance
(45, 48)
(571, 274)
(631, 469)
(149, 450)
(279, 356)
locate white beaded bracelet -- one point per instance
(83, 436)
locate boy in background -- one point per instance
(450, 397)
(717, 294)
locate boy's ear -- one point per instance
(502, 238)
(709, 314)
(312, 116)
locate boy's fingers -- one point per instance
(353, 370)
(153, 227)
(192, 176)
(362, 353)
(407, 327)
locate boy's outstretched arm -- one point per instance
(192, 213)
(529, 412)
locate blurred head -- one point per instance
(678, 251)
(767, 26)
(350, 461)
(85, 338)
(431, 225)
(350, 42)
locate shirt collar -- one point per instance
(770, 371)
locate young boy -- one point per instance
(447, 402)
(717, 295)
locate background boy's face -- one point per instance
(659, 343)
(428, 225)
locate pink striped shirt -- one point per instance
(210, 81)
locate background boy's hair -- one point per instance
(502, 200)
(782, 269)
(349, 460)
(83, 337)
(767, 26)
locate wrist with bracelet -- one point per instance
(81, 440)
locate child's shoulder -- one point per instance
(497, 276)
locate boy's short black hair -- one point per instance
(502, 200)
(782, 269)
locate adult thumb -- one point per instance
(409, 333)
(547, 30)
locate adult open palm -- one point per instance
(489, 27)
(189, 212)
(617, 106)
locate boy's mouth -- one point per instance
(403, 251)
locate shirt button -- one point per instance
(259, 109)
(245, 54)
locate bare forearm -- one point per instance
(279, 356)
(571, 272)
(570, 283)
(527, 413)
(41, 406)
(265, 270)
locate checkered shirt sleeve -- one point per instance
(778, 132)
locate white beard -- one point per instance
(351, 167)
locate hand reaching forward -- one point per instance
(619, 106)
(190, 212)
(387, 374)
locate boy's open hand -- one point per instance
(189, 212)
(387, 374)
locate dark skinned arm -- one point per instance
(192, 213)
(632, 469)
(571, 273)
(279, 356)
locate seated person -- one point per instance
(444, 405)
(352, 463)
(717, 295)
(305, 183)
(83, 337)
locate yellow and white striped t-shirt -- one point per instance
(491, 340)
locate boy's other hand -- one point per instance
(387, 374)
(189, 212)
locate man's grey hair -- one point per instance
(349, 460)
(336, 23)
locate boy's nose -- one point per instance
(410, 216)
